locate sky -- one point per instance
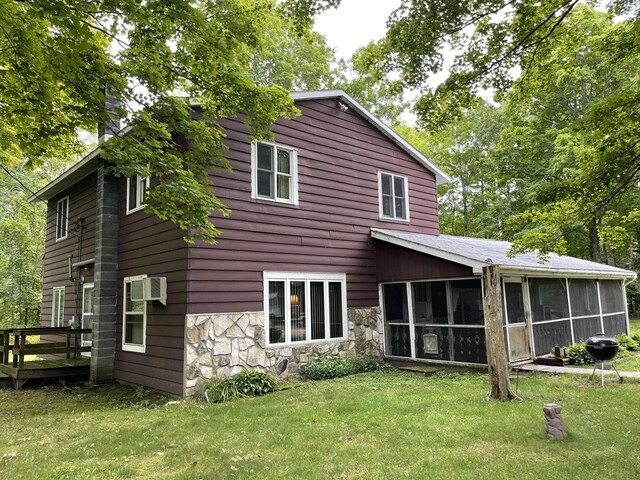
(355, 23)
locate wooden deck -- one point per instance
(22, 361)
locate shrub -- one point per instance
(578, 354)
(323, 368)
(627, 342)
(329, 366)
(243, 384)
(367, 363)
(636, 337)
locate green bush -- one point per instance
(329, 366)
(636, 337)
(578, 354)
(627, 342)
(243, 384)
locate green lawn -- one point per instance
(369, 426)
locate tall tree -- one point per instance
(473, 203)
(574, 143)
(21, 247)
(57, 57)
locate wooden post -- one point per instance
(500, 386)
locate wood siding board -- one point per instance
(396, 263)
(339, 156)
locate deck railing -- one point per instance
(19, 347)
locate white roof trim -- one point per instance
(441, 176)
(43, 193)
(436, 252)
(477, 265)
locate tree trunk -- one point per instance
(500, 386)
(594, 242)
(609, 253)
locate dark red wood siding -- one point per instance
(147, 246)
(339, 156)
(82, 204)
(395, 264)
(155, 248)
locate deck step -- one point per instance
(552, 360)
(423, 369)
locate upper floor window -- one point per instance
(274, 172)
(394, 201)
(137, 187)
(62, 218)
(304, 307)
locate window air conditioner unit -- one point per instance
(150, 288)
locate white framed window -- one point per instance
(62, 218)
(305, 307)
(137, 187)
(57, 309)
(274, 172)
(134, 318)
(393, 196)
(87, 313)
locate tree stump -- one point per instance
(555, 426)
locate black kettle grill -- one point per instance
(602, 348)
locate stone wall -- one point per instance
(219, 345)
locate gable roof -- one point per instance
(441, 176)
(478, 252)
(89, 163)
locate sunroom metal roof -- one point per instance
(478, 252)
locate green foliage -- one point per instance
(243, 384)
(326, 367)
(22, 228)
(627, 342)
(57, 56)
(578, 354)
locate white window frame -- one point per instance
(293, 187)
(140, 192)
(393, 197)
(64, 212)
(57, 322)
(133, 347)
(288, 277)
(84, 341)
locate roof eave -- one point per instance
(441, 176)
(77, 172)
(436, 252)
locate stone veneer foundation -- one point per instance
(223, 344)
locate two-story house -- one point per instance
(332, 246)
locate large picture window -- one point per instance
(134, 319)
(137, 187)
(274, 172)
(394, 202)
(304, 307)
(62, 218)
(57, 309)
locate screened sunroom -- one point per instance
(432, 299)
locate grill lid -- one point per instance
(602, 347)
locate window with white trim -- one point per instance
(87, 313)
(274, 172)
(137, 187)
(304, 307)
(57, 309)
(134, 317)
(62, 218)
(393, 196)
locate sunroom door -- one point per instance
(515, 317)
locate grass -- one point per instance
(368, 426)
